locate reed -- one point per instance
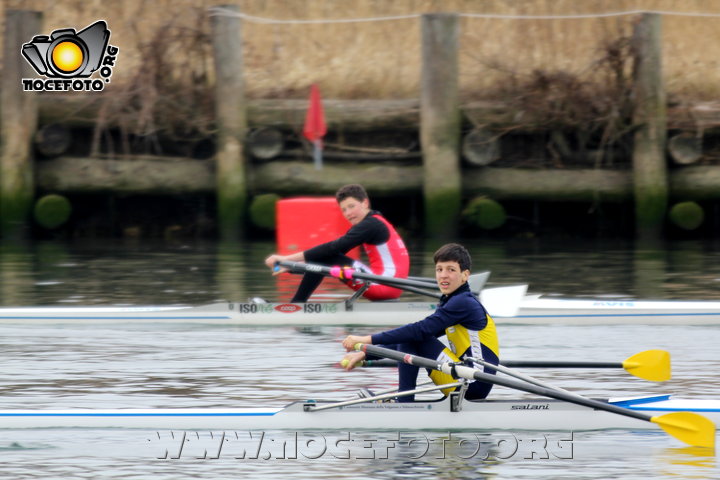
(164, 70)
(381, 59)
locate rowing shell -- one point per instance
(519, 414)
(536, 309)
(533, 310)
(503, 301)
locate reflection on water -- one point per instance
(68, 366)
(699, 457)
(116, 272)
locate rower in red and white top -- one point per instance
(386, 251)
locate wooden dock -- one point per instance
(446, 160)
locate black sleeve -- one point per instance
(370, 230)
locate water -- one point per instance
(66, 366)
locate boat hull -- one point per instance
(547, 415)
(532, 311)
(541, 310)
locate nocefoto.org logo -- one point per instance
(68, 58)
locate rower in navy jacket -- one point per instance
(469, 328)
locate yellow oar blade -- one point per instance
(688, 427)
(653, 365)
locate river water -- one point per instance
(115, 365)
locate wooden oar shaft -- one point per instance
(474, 374)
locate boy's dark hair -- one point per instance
(353, 190)
(454, 252)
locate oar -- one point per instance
(518, 375)
(381, 363)
(427, 293)
(477, 281)
(348, 273)
(498, 301)
(500, 368)
(429, 280)
(688, 427)
(421, 287)
(653, 365)
(503, 301)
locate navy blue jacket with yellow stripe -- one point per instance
(462, 308)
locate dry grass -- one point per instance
(573, 68)
(381, 59)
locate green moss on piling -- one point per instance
(687, 215)
(442, 208)
(52, 211)
(484, 213)
(262, 210)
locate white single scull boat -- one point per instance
(540, 310)
(507, 305)
(502, 414)
(692, 421)
(503, 301)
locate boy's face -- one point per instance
(354, 210)
(449, 276)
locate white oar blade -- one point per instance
(503, 301)
(477, 281)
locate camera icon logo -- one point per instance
(66, 53)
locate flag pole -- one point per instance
(317, 154)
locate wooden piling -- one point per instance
(440, 123)
(650, 117)
(17, 124)
(231, 121)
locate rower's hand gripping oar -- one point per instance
(688, 427)
(653, 365)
